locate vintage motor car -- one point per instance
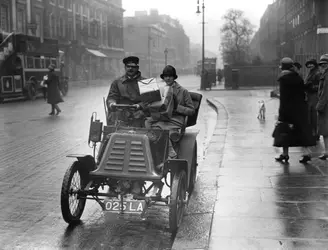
(127, 159)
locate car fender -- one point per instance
(88, 162)
(186, 146)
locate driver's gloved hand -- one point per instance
(143, 105)
(110, 105)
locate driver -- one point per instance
(125, 90)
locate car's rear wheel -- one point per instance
(31, 92)
(178, 200)
(72, 206)
(64, 88)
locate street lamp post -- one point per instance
(202, 81)
(165, 52)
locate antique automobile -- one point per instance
(128, 158)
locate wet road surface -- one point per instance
(33, 147)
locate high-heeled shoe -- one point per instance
(305, 159)
(282, 158)
(58, 111)
(323, 157)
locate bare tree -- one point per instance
(236, 35)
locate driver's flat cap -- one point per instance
(131, 60)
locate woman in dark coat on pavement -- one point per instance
(53, 92)
(322, 105)
(293, 111)
(311, 88)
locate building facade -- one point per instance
(162, 38)
(90, 33)
(301, 29)
(148, 43)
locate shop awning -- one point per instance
(96, 53)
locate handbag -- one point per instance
(283, 134)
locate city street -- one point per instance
(33, 147)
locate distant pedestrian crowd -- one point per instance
(303, 109)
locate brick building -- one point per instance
(148, 43)
(165, 32)
(301, 29)
(90, 33)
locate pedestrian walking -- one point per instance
(311, 89)
(322, 105)
(53, 91)
(293, 127)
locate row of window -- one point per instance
(40, 62)
(60, 27)
(4, 17)
(68, 4)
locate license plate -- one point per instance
(129, 206)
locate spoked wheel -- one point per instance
(64, 88)
(31, 91)
(178, 197)
(193, 170)
(71, 205)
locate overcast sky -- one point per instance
(185, 11)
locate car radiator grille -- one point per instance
(129, 153)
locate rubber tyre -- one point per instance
(31, 91)
(193, 171)
(68, 216)
(178, 196)
(64, 88)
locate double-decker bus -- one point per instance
(23, 64)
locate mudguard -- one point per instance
(186, 146)
(87, 161)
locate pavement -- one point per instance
(244, 199)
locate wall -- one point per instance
(249, 76)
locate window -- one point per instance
(85, 10)
(92, 12)
(62, 31)
(69, 4)
(30, 62)
(52, 25)
(61, 3)
(42, 62)
(77, 8)
(37, 62)
(47, 61)
(53, 2)
(21, 22)
(38, 21)
(54, 62)
(4, 17)
(70, 30)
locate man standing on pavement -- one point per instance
(125, 90)
(311, 89)
(322, 105)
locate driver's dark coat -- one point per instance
(125, 90)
